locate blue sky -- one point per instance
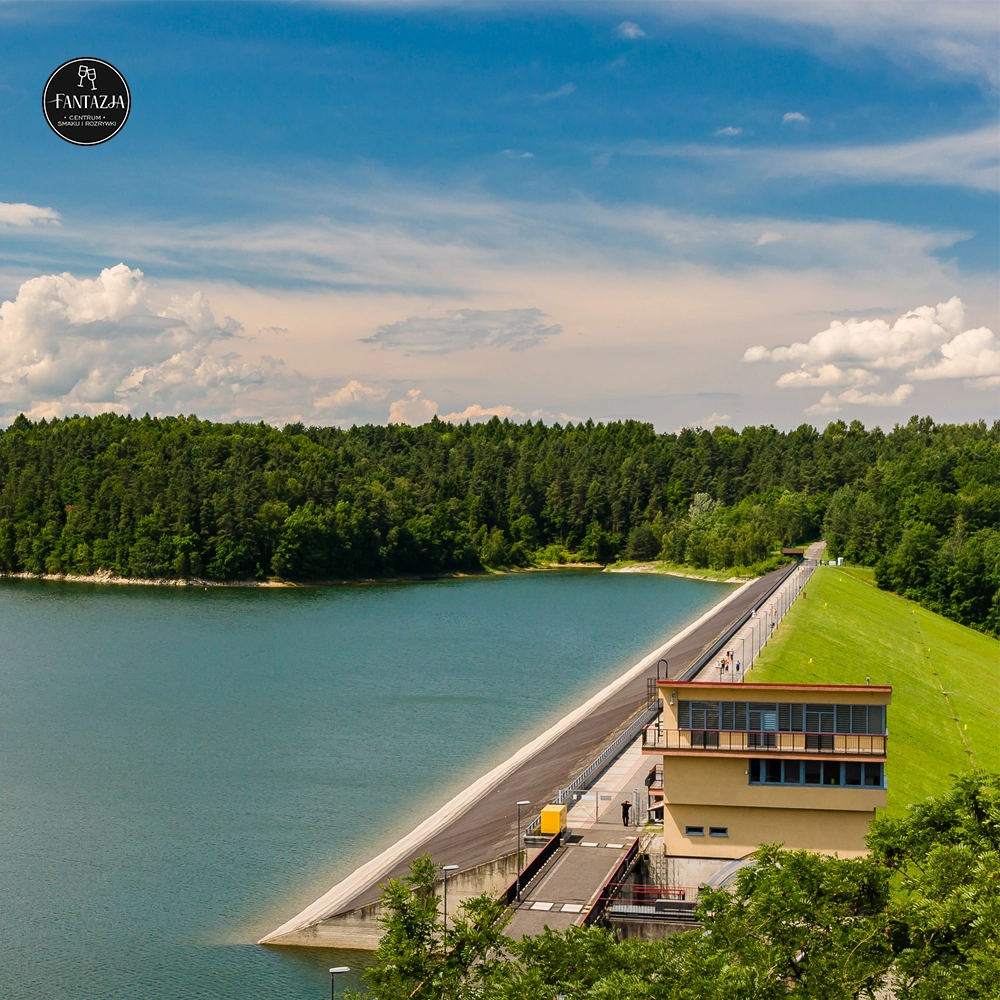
(686, 213)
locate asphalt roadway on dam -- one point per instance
(484, 829)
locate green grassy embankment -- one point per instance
(945, 713)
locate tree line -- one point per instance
(187, 498)
(916, 919)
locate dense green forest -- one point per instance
(183, 497)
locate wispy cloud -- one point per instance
(729, 130)
(964, 159)
(564, 91)
(768, 237)
(465, 330)
(967, 159)
(22, 214)
(630, 30)
(955, 39)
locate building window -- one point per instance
(873, 775)
(833, 774)
(694, 831)
(784, 717)
(718, 831)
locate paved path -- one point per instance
(566, 888)
(479, 824)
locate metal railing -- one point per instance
(633, 892)
(598, 764)
(619, 875)
(697, 740)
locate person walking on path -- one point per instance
(626, 809)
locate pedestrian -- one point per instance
(626, 809)
(737, 666)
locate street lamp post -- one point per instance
(743, 659)
(522, 802)
(333, 979)
(446, 870)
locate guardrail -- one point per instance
(597, 765)
(723, 741)
(531, 869)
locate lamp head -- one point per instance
(524, 802)
(340, 968)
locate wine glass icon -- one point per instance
(87, 73)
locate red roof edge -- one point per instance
(732, 685)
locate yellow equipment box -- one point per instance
(553, 820)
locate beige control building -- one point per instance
(748, 764)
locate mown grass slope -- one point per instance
(945, 713)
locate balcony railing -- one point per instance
(722, 741)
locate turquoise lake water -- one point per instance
(181, 770)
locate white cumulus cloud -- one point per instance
(22, 214)
(413, 410)
(477, 413)
(824, 375)
(708, 423)
(630, 30)
(926, 343)
(831, 403)
(973, 354)
(94, 344)
(466, 329)
(794, 116)
(873, 342)
(353, 392)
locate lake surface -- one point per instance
(181, 770)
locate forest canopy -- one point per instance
(179, 497)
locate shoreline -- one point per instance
(654, 569)
(107, 577)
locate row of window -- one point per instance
(713, 831)
(762, 716)
(817, 772)
(709, 739)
